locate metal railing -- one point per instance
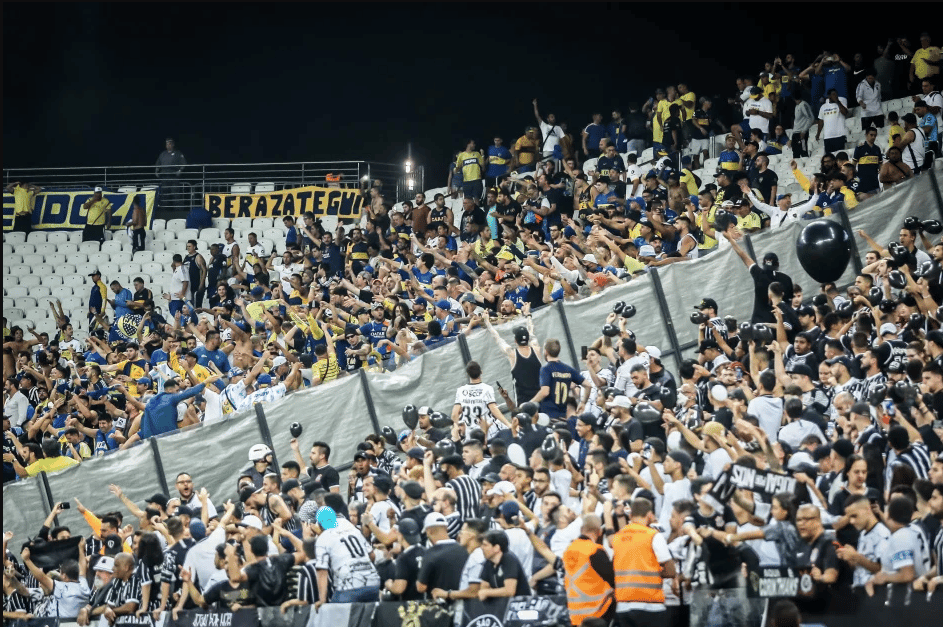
(184, 190)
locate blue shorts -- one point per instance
(526, 168)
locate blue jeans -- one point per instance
(636, 146)
(174, 307)
(356, 595)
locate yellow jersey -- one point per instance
(50, 464)
(920, 58)
(686, 113)
(23, 200)
(709, 242)
(526, 150)
(470, 163)
(658, 122)
(96, 213)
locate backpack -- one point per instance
(270, 587)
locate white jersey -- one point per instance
(471, 571)
(474, 400)
(346, 554)
(263, 395)
(68, 349)
(253, 254)
(232, 397)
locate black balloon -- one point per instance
(295, 429)
(610, 330)
(617, 307)
(746, 331)
(897, 279)
(875, 295)
(529, 408)
(440, 420)
(389, 435)
(646, 413)
(933, 227)
(824, 250)
(411, 416)
(628, 311)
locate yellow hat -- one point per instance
(713, 428)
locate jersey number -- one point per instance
(354, 547)
(472, 414)
(561, 391)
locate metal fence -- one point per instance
(344, 411)
(184, 190)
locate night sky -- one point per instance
(105, 84)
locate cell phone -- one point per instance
(584, 351)
(65, 505)
(498, 385)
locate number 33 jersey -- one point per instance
(474, 399)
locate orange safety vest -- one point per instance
(638, 573)
(587, 594)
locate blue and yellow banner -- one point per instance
(321, 201)
(62, 210)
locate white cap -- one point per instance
(252, 521)
(543, 419)
(258, 452)
(501, 488)
(719, 392)
(646, 250)
(434, 519)
(620, 401)
(798, 459)
(98, 189)
(105, 563)
(590, 258)
(888, 327)
(654, 351)
(279, 361)
(425, 410)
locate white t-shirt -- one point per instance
(870, 98)
(662, 554)
(623, 380)
(471, 571)
(177, 279)
(715, 461)
(551, 137)
(474, 400)
(795, 432)
(562, 539)
(379, 514)
(872, 545)
(257, 252)
(346, 554)
(16, 407)
(285, 272)
(520, 545)
(750, 109)
(67, 598)
(674, 491)
(833, 122)
(769, 411)
(935, 99)
(69, 349)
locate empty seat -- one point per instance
(99, 257)
(220, 223)
(187, 234)
(177, 224)
(12, 313)
(68, 248)
(264, 188)
(71, 302)
(259, 225)
(28, 280)
(20, 269)
(75, 281)
(123, 239)
(55, 259)
(75, 237)
(63, 269)
(45, 249)
(61, 292)
(89, 247)
(165, 235)
(156, 246)
(36, 237)
(131, 267)
(43, 302)
(158, 224)
(111, 247)
(128, 189)
(121, 258)
(143, 256)
(36, 314)
(152, 268)
(33, 260)
(178, 246)
(51, 280)
(14, 238)
(241, 188)
(109, 268)
(24, 249)
(86, 268)
(211, 234)
(275, 234)
(15, 291)
(164, 258)
(244, 224)
(13, 260)
(57, 237)
(38, 291)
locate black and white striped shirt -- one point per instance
(917, 456)
(308, 583)
(938, 550)
(468, 495)
(121, 592)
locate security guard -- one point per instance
(641, 559)
(97, 217)
(589, 575)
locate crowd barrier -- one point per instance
(344, 411)
(728, 608)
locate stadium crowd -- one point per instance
(614, 485)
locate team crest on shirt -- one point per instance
(486, 620)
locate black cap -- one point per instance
(453, 460)
(800, 369)
(416, 452)
(707, 344)
(410, 530)
(290, 485)
(491, 477)
(412, 489)
(247, 492)
(112, 544)
(771, 260)
(359, 455)
(604, 179)
(821, 452)
(158, 499)
(708, 303)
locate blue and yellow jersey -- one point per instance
(729, 160)
(471, 165)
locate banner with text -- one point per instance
(345, 204)
(62, 209)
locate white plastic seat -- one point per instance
(128, 189)
(63, 269)
(45, 249)
(177, 224)
(188, 234)
(11, 259)
(61, 292)
(143, 256)
(33, 260)
(27, 302)
(20, 269)
(131, 267)
(29, 280)
(8, 278)
(244, 224)
(275, 234)
(220, 223)
(89, 247)
(13, 313)
(109, 268)
(71, 302)
(156, 246)
(165, 236)
(152, 268)
(164, 258)
(122, 238)
(15, 291)
(264, 188)
(260, 225)
(158, 225)
(75, 281)
(86, 268)
(38, 291)
(75, 237)
(111, 247)
(36, 237)
(241, 188)
(121, 258)
(99, 258)
(36, 314)
(14, 237)
(55, 259)
(67, 248)
(51, 280)
(211, 234)
(24, 249)
(57, 237)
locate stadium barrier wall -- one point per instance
(339, 412)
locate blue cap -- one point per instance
(568, 232)
(369, 269)
(444, 304)
(693, 199)
(403, 434)
(145, 381)
(235, 372)
(264, 379)
(197, 529)
(257, 292)
(419, 300)
(781, 196)
(327, 517)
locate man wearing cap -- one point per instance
(408, 563)
(97, 217)
(763, 276)
(97, 297)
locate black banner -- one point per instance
(50, 555)
(765, 583)
(412, 614)
(759, 481)
(202, 618)
(516, 612)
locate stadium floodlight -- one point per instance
(408, 167)
(365, 178)
(410, 184)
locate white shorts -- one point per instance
(700, 144)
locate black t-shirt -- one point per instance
(511, 210)
(672, 124)
(762, 309)
(508, 568)
(476, 216)
(440, 566)
(223, 595)
(407, 567)
(635, 125)
(765, 182)
(257, 579)
(325, 477)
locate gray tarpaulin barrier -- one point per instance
(339, 413)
